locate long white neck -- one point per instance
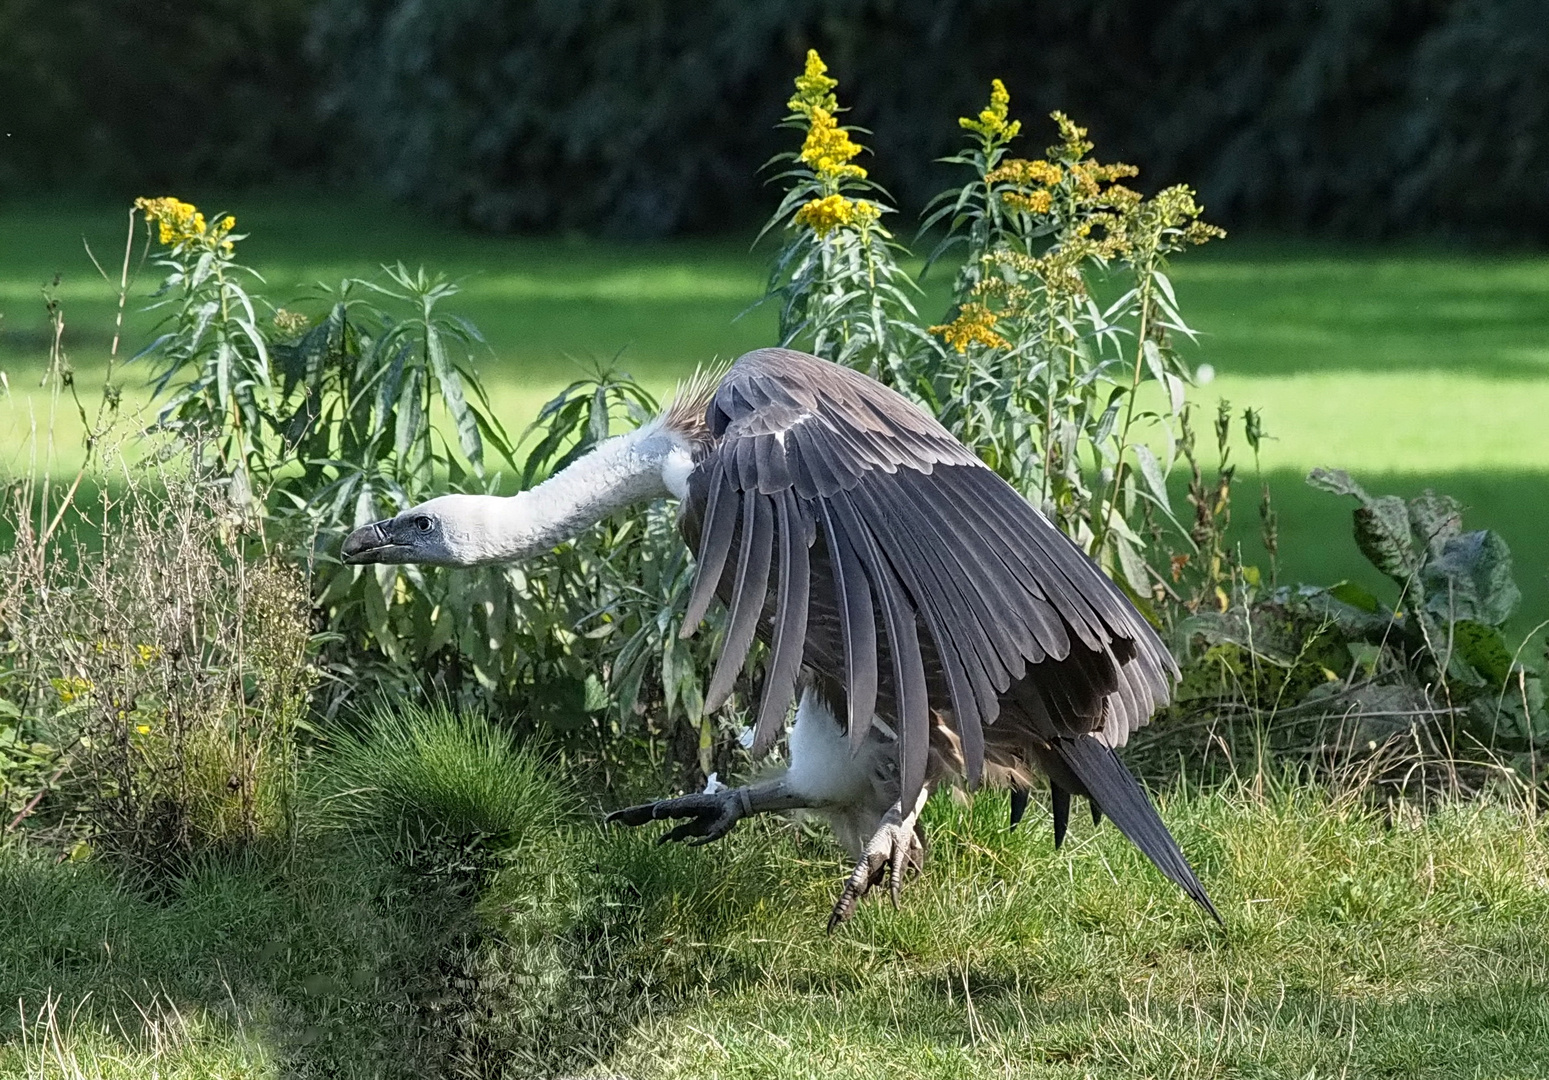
(645, 464)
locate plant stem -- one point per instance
(95, 431)
(1111, 491)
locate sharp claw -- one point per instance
(892, 854)
(695, 827)
(709, 817)
(630, 815)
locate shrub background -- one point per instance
(1368, 118)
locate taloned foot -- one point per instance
(896, 849)
(710, 815)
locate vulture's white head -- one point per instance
(450, 530)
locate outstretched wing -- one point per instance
(916, 534)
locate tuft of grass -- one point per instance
(429, 771)
(167, 1042)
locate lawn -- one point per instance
(1359, 943)
(1410, 367)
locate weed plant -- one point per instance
(166, 669)
(1029, 367)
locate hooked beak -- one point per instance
(367, 544)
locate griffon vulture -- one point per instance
(930, 623)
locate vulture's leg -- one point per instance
(711, 815)
(896, 848)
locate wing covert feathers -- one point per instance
(940, 579)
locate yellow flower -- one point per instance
(974, 325)
(1122, 198)
(1022, 171)
(992, 123)
(180, 223)
(143, 729)
(830, 212)
(1031, 202)
(71, 688)
(1073, 144)
(1085, 179)
(828, 148)
(814, 89)
(145, 654)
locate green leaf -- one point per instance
(1151, 472)
(597, 419)
(1514, 715)
(410, 424)
(1382, 534)
(387, 395)
(1484, 648)
(1471, 578)
(1348, 592)
(1337, 482)
(451, 386)
(1436, 519)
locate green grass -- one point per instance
(1358, 943)
(1410, 367)
(433, 771)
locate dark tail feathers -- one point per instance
(1117, 793)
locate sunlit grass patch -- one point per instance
(1370, 939)
(1353, 942)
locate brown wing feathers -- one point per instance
(916, 531)
(751, 591)
(790, 624)
(719, 524)
(857, 629)
(873, 522)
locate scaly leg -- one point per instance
(712, 814)
(896, 848)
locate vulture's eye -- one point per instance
(422, 523)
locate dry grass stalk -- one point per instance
(170, 667)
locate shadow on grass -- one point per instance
(335, 961)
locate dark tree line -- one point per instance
(1353, 117)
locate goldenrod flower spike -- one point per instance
(814, 89)
(828, 148)
(181, 223)
(1073, 144)
(992, 122)
(974, 325)
(825, 215)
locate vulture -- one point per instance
(930, 624)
